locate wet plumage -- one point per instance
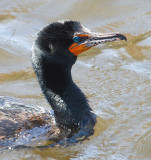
(54, 52)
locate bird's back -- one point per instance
(22, 124)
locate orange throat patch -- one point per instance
(77, 49)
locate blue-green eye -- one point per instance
(76, 39)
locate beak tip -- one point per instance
(122, 37)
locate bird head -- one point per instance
(67, 39)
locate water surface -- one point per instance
(115, 77)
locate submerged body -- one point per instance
(25, 125)
(54, 52)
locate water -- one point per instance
(115, 77)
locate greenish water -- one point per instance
(115, 77)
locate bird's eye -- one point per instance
(76, 39)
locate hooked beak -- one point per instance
(93, 39)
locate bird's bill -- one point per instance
(94, 39)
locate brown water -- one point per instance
(115, 77)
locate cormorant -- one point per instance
(54, 52)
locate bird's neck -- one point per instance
(67, 100)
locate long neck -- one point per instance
(67, 100)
